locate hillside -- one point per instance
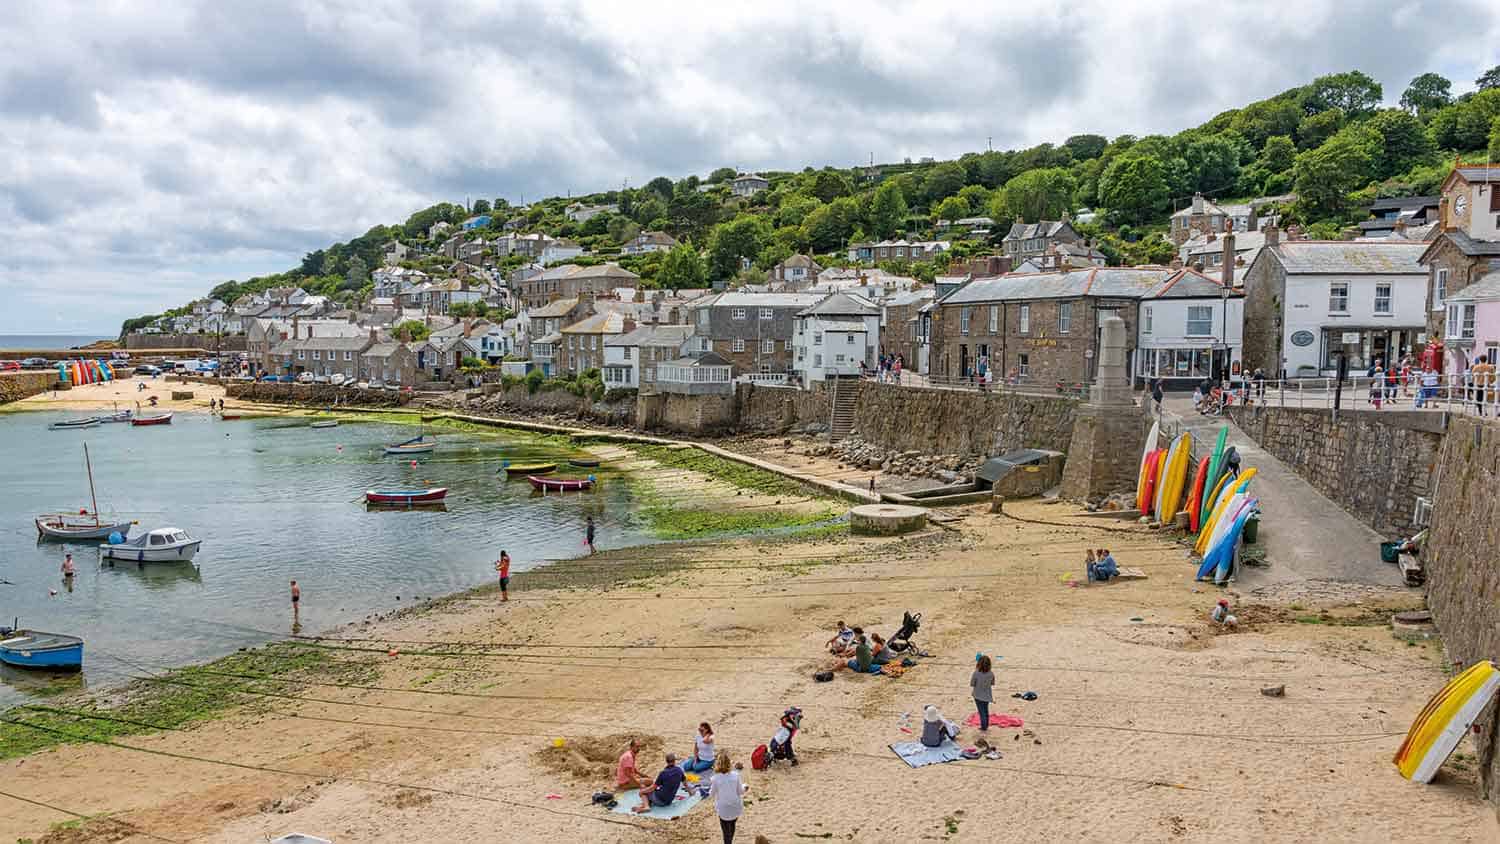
(1329, 142)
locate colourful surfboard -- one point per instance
(1232, 487)
(1216, 459)
(1445, 720)
(1195, 495)
(1147, 493)
(1169, 501)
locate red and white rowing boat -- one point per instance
(560, 484)
(159, 419)
(405, 497)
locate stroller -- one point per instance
(780, 746)
(901, 641)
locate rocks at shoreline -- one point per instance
(855, 452)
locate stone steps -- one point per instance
(842, 420)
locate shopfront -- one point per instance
(1364, 346)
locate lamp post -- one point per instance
(1224, 324)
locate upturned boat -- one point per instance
(158, 419)
(36, 649)
(405, 497)
(157, 546)
(560, 484)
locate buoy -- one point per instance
(52, 592)
(338, 448)
(115, 538)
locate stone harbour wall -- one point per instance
(1374, 464)
(975, 424)
(781, 409)
(316, 395)
(516, 399)
(15, 386)
(679, 414)
(178, 342)
(1463, 578)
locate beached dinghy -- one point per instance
(158, 419)
(35, 649)
(74, 424)
(418, 445)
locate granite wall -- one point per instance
(779, 409)
(1374, 464)
(202, 342)
(517, 399)
(679, 414)
(962, 422)
(15, 386)
(1463, 579)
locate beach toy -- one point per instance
(557, 742)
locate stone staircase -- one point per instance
(844, 397)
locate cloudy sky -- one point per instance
(149, 150)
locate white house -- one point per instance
(1310, 301)
(837, 336)
(648, 242)
(1190, 329)
(559, 250)
(580, 213)
(631, 359)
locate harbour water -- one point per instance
(45, 342)
(273, 500)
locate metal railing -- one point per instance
(1024, 385)
(1447, 393)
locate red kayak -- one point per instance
(560, 484)
(161, 419)
(406, 497)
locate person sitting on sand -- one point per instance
(1105, 567)
(627, 775)
(702, 757)
(1088, 564)
(664, 790)
(849, 649)
(862, 656)
(881, 653)
(843, 639)
(935, 728)
(1221, 615)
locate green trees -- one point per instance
(411, 331)
(1353, 92)
(1489, 79)
(943, 181)
(1426, 94)
(887, 210)
(1261, 120)
(1325, 176)
(1317, 128)
(1404, 142)
(952, 208)
(1134, 188)
(481, 206)
(1085, 147)
(830, 226)
(1494, 147)
(1465, 125)
(795, 208)
(682, 269)
(730, 242)
(1044, 194)
(357, 274)
(444, 212)
(723, 174)
(1213, 163)
(828, 185)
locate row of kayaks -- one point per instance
(1215, 497)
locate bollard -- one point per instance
(997, 503)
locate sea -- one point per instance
(46, 342)
(273, 500)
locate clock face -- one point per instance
(1461, 205)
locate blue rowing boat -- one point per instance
(35, 649)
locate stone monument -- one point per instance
(1109, 430)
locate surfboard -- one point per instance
(1216, 459)
(1195, 495)
(1444, 721)
(1227, 492)
(1148, 490)
(1223, 553)
(1205, 521)
(1140, 478)
(1177, 471)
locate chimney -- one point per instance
(1229, 255)
(1400, 227)
(295, 335)
(1273, 235)
(1197, 203)
(1253, 223)
(1004, 264)
(1443, 215)
(374, 336)
(993, 265)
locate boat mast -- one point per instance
(88, 464)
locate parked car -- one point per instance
(320, 379)
(9, 365)
(338, 379)
(119, 355)
(147, 369)
(305, 378)
(376, 385)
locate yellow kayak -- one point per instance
(1445, 719)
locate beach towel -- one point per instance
(919, 755)
(995, 721)
(626, 801)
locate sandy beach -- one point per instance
(124, 395)
(1148, 722)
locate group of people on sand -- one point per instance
(858, 651)
(1100, 565)
(726, 788)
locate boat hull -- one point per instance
(122, 416)
(326, 423)
(559, 484)
(54, 527)
(529, 469)
(44, 651)
(131, 553)
(141, 421)
(74, 425)
(420, 448)
(584, 463)
(405, 498)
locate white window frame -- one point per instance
(1064, 317)
(301, 354)
(1338, 297)
(1025, 319)
(767, 313)
(817, 338)
(348, 355)
(739, 344)
(1439, 288)
(768, 347)
(994, 319)
(1200, 317)
(1383, 298)
(963, 320)
(1466, 321)
(1023, 365)
(1146, 320)
(626, 352)
(737, 313)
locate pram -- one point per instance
(902, 639)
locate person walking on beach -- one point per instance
(728, 793)
(502, 566)
(588, 537)
(982, 681)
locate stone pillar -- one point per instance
(1109, 431)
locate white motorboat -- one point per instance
(156, 546)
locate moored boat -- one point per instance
(584, 462)
(529, 468)
(325, 423)
(36, 649)
(84, 524)
(75, 424)
(118, 416)
(419, 445)
(158, 419)
(405, 497)
(560, 484)
(156, 546)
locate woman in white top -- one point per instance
(728, 793)
(702, 757)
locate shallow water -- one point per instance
(273, 500)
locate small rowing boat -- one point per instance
(75, 424)
(120, 416)
(584, 462)
(35, 649)
(560, 484)
(228, 417)
(405, 497)
(158, 419)
(325, 423)
(530, 468)
(416, 445)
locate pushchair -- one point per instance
(902, 639)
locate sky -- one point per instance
(151, 150)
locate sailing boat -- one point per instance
(84, 524)
(416, 445)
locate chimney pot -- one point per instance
(1229, 257)
(1273, 235)
(1197, 203)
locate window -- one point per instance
(1146, 320)
(705, 344)
(1466, 323)
(849, 339)
(801, 353)
(1439, 288)
(737, 313)
(317, 355)
(1023, 365)
(765, 367)
(817, 338)
(348, 355)
(817, 360)
(1200, 320)
(301, 354)
(963, 320)
(739, 345)
(1025, 319)
(1338, 297)
(1382, 298)
(627, 352)
(1064, 317)
(768, 346)
(838, 359)
(786, 345)
(766, 313)
(994, 319)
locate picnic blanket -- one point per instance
(628, 800)
(996, 720)
(919, 755)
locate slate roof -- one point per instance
(382, 350)
(851, 327)
(735, 299)
(909, 297)
(605, 323)
(1106, 282)
(1045, 228)
(1480, 172)
(555, 308)
(652, 335)
(841, 304)
(1349, 257)
(1486, 289)
(1467, 245)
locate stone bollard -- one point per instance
(997, 503)
(1180, 521)
(181, 395)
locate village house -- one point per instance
(1063, 256)
(1464, 249)
(1407, 212)
(837, 337)
(700, 374)
(569, 281)
(752, 331)
(900, 328)
(1206, 252)
(559, 250)
(476, 221)
(545, 329)
(897, 250)
(748, 184)
(1189, 329)
(630, 359)
(648, 242)
(580, 213)
(1310, 301)
(1199, 216)
(1472, 324)
(388, 362)
(1025, 240)
(393, 253)
(795, 273)
(437, 230)
(582, 346)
